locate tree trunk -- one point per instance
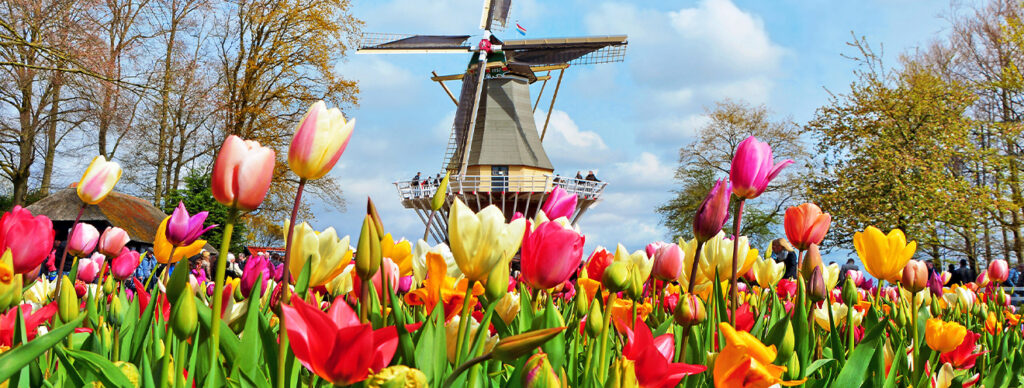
(51, 137)
(162, 148)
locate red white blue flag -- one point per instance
(521, 29)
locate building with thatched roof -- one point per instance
(137, 216)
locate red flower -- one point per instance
(963, 356)
(143, 295)
(334, 345)
(744, 317)
(598, 261)
(550, 254)
(32, 322)
(786, 288)
(30, 238)
(653, 357)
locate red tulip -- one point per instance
(744, 317)
(83, 240)
(598, 261)
(559, 204)
(998, 271)
(112, 241)
(963, 356)
(242, 173)
(713, 212)
(786, 288)
(668, 261)
(123, 265)
(806, 225)
(29, 238)
(144, 298)
(32, 321)
(334, 345)
(653, 357)
(550, 254)
(752, 168)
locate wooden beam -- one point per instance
(549, 67)
(542, 86)
(445, 87)
(552, 106)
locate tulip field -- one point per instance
(377, 310)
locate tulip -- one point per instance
(112, 240)
(752, 168)
(183, 230)
(242, 173)
(831, 275)
(998, 271)
(419, 260)
(320, 139)
(10, 282)
(622, 374)
(29, 238)
(884, 256)
(388, 272)
(327, 255)
(653, 357)
(67, 302)
(440, 288)
(397, 376)
(964, 356)
(915, 276)
(479, 241)
(816, 286)
(551, 254)
(539, 373)
(184, 320)
(32, 320)
(668, 262)
(98, 180)
(746, 362)
(508, 307)
(41, 291)
(89, 268)
(497, 284)
(368, 255)
(713, 212)
(452, 332)
(559, 204)
(942, 336)
(343, 283)
(689, 311)
(334, 345)
(598, 261)
(399, 252)
(83, 240)
(255, 267)
(123, 265)
(805, 225)
(162, 247)
(768, 272)
(812, 260)
(716, 256)
(839, 313)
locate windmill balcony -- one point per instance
(522, 185)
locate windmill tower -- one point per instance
(495, 154)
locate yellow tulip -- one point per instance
(327, 254)
(399, 252)
(715, 256)
(637, 261)
(162, 247)
(839, 311)
(508, 307)
(767, 272)
(98, 180)
(342, 284)
(10, 282)
(830, 275)
(943, 336)
(884, 256)
(480, 241)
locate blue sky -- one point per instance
(626, 120)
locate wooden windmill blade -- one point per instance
(495, 11)
(378, 43)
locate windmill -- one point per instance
(495, 154)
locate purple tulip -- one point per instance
(404, 284)
(713, 212)
(255, 267)
(183, 230)
(559, 204)
(935, 284)
(752, 168)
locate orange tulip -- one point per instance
(806, 225)
(746, 362)
(943, 336)
(440, 288)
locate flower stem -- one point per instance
(463, 367)
(735, 259)
(916, 373)
(60, 269)
(464, 321)
(282, 334)
(218, 286)
(602, 372)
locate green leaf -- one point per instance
(176, 284)
(229, 343)
(248, 360)
(105, 371)
(142, 328)
(432, 346)
(302, 283)
(13, 360)
(555, 347)
(69, 368)
(855, 371)
(817, 364)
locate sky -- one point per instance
(626, 121)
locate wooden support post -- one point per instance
(542, 86)
(552, 106)
(446, 90)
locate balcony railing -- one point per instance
(470, 184)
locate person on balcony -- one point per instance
(416, 185)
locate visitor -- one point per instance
(233, 269)
(845, 269)
(785, 254)
(965, 273)
(1013, 278)
(954, 277)
(591, 177)
(1020, 276)
(416, 185)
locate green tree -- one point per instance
(197, 197)
(708, 158)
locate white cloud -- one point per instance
(565, 142)
(646, 171)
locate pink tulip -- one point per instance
(83, 240)
(387, 268)
(668, 261)
(319, 141)
(998, 271)
(550, 254)
(752, 168)
(713, 212)
(256, 267)
(183, 230)
(112, 241)
(123, 265)
(30, 238)
(98, 180)
(242, 173)
(89, 267)
(559, 204)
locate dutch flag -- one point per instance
(521, 29)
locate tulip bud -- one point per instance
(850, 296)
(130, 371)
(935, 306)
(497, 282)
(539, 373)
(398, 376)
(915, 276)
(368, 256)
(712, 212)
(812, 260)
(635, 289)
(67, 305)
(581, 304)
(594, 320)
(616, 276)
(184, 320)
(511, 348)
(371, 210)
(108, 285)
(792, 368)
(115, 314)
(935, 285)
(1000, 297)
(622, 374)
(689, 311)
(816, 286)
(783, 332)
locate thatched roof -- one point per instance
(137, 216)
